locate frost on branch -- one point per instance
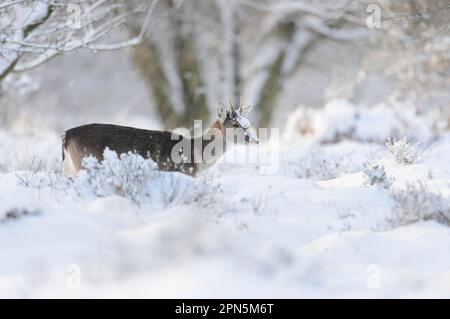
(34, 31)
(125, 175)
(316, 165)
(134, 177)
(403, 151)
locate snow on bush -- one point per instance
(315, 165)
(41, 180)
(375, 174)
(167, 189)
(128, 175)
(138, 179)
(125, 175)
(403, 151)
(340, 120)
(418, 202)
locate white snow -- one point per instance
(340, 119)
(316, 228)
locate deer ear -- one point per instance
(247, 109)
(221, 111)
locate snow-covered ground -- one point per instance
(343, 216)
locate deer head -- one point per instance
(236, 118)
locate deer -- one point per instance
(172, 152)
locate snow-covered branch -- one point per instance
(35, 31)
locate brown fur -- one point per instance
(218, 125)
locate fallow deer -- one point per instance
(163, 147)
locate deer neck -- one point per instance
(206, 139)
(217, 126)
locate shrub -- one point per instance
(375, 174)
(403, 151)
(125, 175)
(133, 177)
(417, 202)
(316, 165)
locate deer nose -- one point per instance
(250, 137)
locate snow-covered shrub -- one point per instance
(315, 165)
(125, 175)
(417, 202)
(40, 180)
(375, 174)
(134, 177)
(403, 151)
(39, 175)
(205, 192)
(166, 189)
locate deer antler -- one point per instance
(241, 104)
(230, 104)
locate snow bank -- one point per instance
(341, 219)
(340, 120)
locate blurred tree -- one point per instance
(201, 51)
(171, 69)
(417, 37)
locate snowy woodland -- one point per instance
(356, 202)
